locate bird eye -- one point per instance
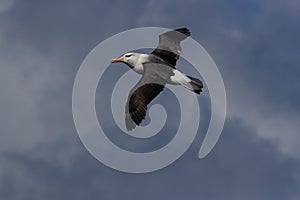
(127, 56)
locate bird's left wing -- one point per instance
(168, 47)
(149, 86)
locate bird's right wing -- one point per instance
(168, 47)
(150, 85)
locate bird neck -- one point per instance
(142, 58)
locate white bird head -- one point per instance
(128, 58)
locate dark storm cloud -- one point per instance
(253, 43)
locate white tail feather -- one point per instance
(188, 82)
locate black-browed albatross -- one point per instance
(158, 69)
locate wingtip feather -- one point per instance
(184, 31)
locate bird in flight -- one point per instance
(157, 69)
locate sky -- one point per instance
(255, 46)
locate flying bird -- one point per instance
(157, 69)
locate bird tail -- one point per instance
(194, 84)
(188, 82)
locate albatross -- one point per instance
(157, 69)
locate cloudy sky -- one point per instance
(256, 47)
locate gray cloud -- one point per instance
(253, 43)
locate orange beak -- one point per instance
(120, 59)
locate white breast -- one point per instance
(138, 68)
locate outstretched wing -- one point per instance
(168, 47)
(150, 85)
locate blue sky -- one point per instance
(254, 44)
